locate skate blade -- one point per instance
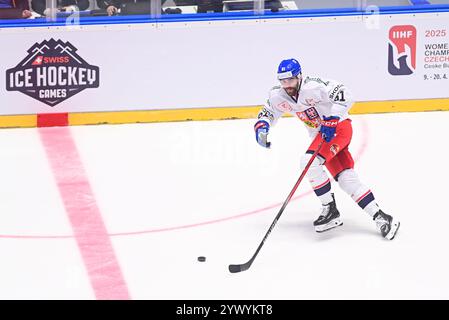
(394, 229)
(328, 226)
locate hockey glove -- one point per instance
(328, 127)
(261, 128)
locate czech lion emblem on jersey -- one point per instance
(312, 113)
(310, 118)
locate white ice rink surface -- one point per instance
(171, 192)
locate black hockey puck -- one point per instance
(201, 259)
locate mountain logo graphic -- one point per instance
(52, 72)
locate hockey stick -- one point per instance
(234, 268)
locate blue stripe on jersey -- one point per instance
(366, 200)
(323, 190)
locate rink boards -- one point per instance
(203, 70)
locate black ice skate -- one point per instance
(387, 226)
(329, 217)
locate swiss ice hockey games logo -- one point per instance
(402, 50)
(52, 72)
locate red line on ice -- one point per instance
(84, 215)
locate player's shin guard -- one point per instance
(321, 184)
(350, 183)
(318, 179)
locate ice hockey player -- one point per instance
(323, 106)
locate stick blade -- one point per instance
(234, 268)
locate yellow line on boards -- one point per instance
(200, 114)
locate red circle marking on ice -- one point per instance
(361, 151)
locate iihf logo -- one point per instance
(402, 50)
(52, 72)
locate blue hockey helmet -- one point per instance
(288, 68)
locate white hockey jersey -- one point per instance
(317, 98)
